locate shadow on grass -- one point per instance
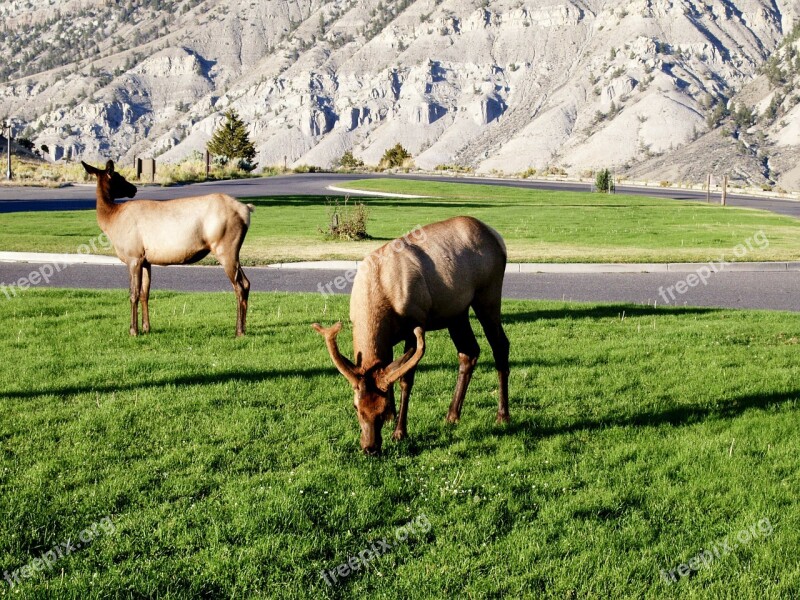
(526, 427)
(188, 380)
(674, 416)
(605, 311)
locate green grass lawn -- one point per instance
(539, 226)
(230, 467)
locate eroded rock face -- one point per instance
(517, 84)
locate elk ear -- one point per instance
(110, 167)
(90, 169)
(391, 373)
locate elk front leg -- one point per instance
(401, 426)
(135, 270)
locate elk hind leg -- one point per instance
(241, 287)
(488, 314)
(468, 351)
(144, 297)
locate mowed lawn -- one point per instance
(538, 226)
(230, 467)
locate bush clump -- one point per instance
(346, 221)
(396, 156)
(348, 161)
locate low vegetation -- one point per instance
(638, 437)
(191, 170)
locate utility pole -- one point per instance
(724, 189)
(708, 188)
(8, 139)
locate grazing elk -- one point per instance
(174, 232)
(421, 282)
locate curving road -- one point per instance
(749, 289)
(765, 290)
(81, 197)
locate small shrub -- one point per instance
(453, 168)
(346, 221)
(529, 172)
(397, 156)
(308, 169)
(663, 183)
(554, 171)
(603, 182)
(348, 161)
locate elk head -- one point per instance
(373, 394)
(113, 184)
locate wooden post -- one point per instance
(208, 163)
(708, 188)
(724, 189)
(149, 169)
(285, 163)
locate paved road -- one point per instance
(16, 199)
(765, 290)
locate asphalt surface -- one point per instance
(17, 199)
(761, 290)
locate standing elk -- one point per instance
(173, 232)
(410, 286)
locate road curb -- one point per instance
(342, 190)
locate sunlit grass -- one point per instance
(230, 467)
(538, 226)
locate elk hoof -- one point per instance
(134, 332)
(452, 419)
(398, 435)
(503, 419)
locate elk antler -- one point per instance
(404, 364)
(344, 366)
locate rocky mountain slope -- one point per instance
(643, 86)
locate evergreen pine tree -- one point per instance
(232, 141)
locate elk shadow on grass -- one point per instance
(675, 416)
(605, 311)
(185, 380)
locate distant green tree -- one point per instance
(744, 117)
(231, 141)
